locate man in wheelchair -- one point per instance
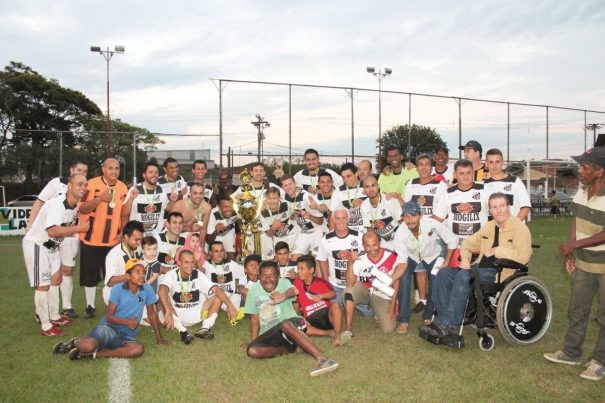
(505, 237)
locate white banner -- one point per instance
(13, 220)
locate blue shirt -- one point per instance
(129, 305)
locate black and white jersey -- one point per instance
(149, 207)
(55, 212)
(284, 271)
(351, 199)
(116, 260)
(168, 249)
(207, 190)
(172, 186)
(187, 295)
(446, 176)
(56, 186)
(466, 210)
(226, 274)
(300, 202)
(217, 218)
(384, 218)
(336, 251)
(426, 195)
(309, 182)
(284, 214)
(514, 190)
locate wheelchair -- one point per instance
(519, 306)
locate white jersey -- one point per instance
(427, 247)
(284, 271)
(309, 182)
(466, 211)
(56, 186)
(362, 267)
(187, 296)
(326, 201)
(217, 218)
(351, 199)
(259, 192)
(384, 218)
(149, 207)
(208, 191)
(170, 187)
(168, 249)
(55, 212)
(301, 202)
(284, 215)
(336, 251)
(227, 275)
(427, 195)
(513, 188)
(446, 176)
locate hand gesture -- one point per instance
(277, 297)
(174, 196)
(134, 192)
(105, 196)
(220, 226)
(277, 224)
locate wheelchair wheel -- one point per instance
(524, 310)
(486, 342)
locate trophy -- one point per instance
(247, 207)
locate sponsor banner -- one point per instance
(13, 220)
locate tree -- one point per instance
(423, 140)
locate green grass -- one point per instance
(374, 367)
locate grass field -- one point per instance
(374, 367)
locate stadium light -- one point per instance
(379, 75)
(107, 55)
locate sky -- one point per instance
(539, 52)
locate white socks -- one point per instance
(209, 322)
(67, 289)
(178, 325)
(91, 293)
(53, 302)
(41, 302)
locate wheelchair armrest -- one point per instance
(510, 264)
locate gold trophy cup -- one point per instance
(247, 207)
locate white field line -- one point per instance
(118, 378)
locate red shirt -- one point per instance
(317, 286)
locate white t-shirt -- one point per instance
(305, 181)
(335, 251)
(513, 188)
(362, 267)
(426, 247)
(385, 216)
(427, 195)
(227, 275)
(351, 199)
(186, 295)
(301, 202)
(149, 207)
(466, 211)
(56, 186)
(55, 212)
(326, 201)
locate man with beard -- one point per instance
(350, 196)
(199, 171)
(172, 182)
(308, 178)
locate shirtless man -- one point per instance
(195, 211)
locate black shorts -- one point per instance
(92, 264)
(320, 319)
(274, 337)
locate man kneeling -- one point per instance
(274, 327)
(114, 336)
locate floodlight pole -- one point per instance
(107, 55)
(379, 75)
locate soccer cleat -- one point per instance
(64, 347)
(561, 358)
(90, 312)
(186, 337)
(324, 366)
(70, 313)
(62, 321)
(53, 331)
(76, 354)
(238, 317)
(206, 334)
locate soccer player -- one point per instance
(251, 265)
(322, 200)
(70, 246)
(114, 336)
(195, 211)
(185, 294)
(309, 221)
(147, 202)
(393, 183)
(277, 224)
(443, 171)
(473, 152)
(275, 329)
(199, 170)
(103, 206)
(350, 196)
(258, 183)
(224, 272)
(510, 185)
(361, 283)
(287, 267)
(314, 296)
(171, 182)
(170, 241)
(308, 178)
(334, 252)
(425, 190)
(379, 214)
(56, 220)
(129, 248)
(221, 226)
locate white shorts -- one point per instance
(228, 241)
(307, 243)
(69, 250)
(236, 300)
(268, 244)
(41, 263)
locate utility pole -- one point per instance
(260, 125)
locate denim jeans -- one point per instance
(450, 291)
(405, 285)
(584, 288)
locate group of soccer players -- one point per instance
(331, 243)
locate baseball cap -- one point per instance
(472, 144)
(595, 156)
(411, 207)
(130, 263)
